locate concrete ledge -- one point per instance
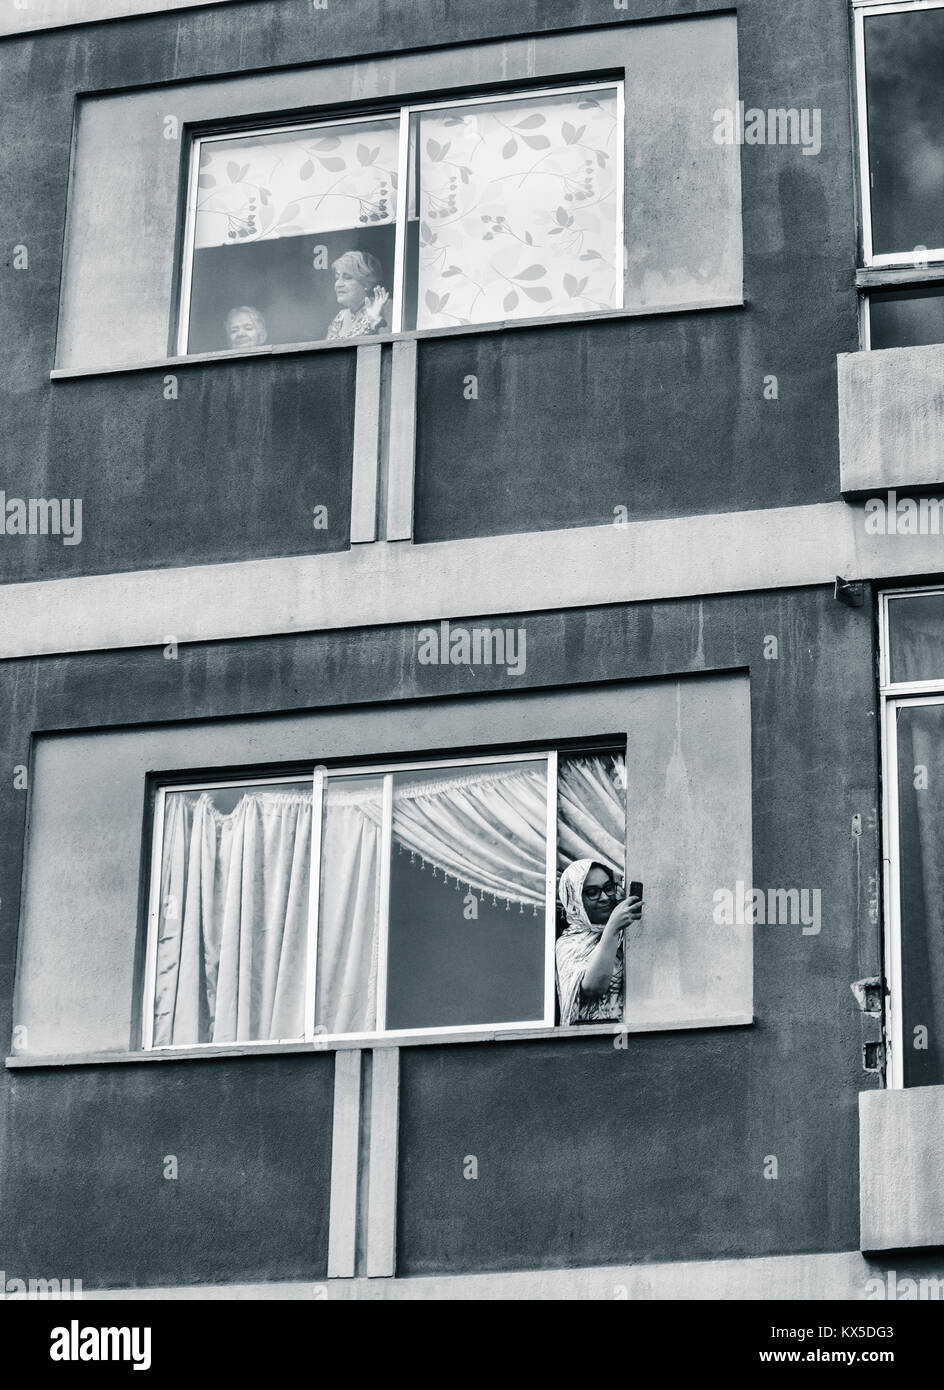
(398, 582)
(891, 419)
(845, 1275)
(901, 1160)
(373, 1042)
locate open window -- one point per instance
(473, 212)
(390, 899)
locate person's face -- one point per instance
(599, 896)
(349, 291)
(244, 331)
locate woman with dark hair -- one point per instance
(590, 967)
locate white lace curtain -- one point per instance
(231, 956)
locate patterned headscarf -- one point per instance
(574, 948)
(570, 893)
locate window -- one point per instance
(912, 317)
(913, 700)
(900, 63)
(392, 899)
(429, 217)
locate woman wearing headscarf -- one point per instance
(362, 297)
(590, 973)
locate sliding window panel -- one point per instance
(289, 231)
(349, 905)
(904, 73)
(915, 637)
(920, 773)
(515, 209)
(228, 961)
(468, 896)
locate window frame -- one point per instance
(316, 1034)
(862, 10)
(405, 112)
(888, 270)
(893, 696)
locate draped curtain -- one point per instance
(231, 959)
(234, 919)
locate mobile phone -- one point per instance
(635, 890)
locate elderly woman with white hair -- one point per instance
(245, 327)
(590, 953)
(363, 299)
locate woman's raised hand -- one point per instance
(374, 303)
(629, 910)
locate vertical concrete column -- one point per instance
(366, 462)
(362, 1230)
(401, 454)
(342, 1220)
(384, 1146)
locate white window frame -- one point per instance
(404, 112)
(893, 697)
(862, 10)
(320, 775)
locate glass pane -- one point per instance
(349, 905)
(906, 318)
(467, 896)
(921, 828)
(513, 210)
(233, 924)
(904, 63)
(916, 637)
(274, 213)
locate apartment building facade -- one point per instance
(442, 442)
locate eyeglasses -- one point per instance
(594, 895)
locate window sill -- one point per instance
(460, 331)
(437, 1038)
(888, 277)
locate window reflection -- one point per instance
(906, 318)
(904, 64)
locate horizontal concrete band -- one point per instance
(846, 1275)
(398, 582)
(432, 1037)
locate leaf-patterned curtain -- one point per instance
(517, 208)
(320, 179)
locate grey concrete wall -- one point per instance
(848, 1276)
(683, 222)
(79, 973)
(231, 467)
(665, 415)
(901, 1148)
(19, 16)
(891, 419)
(665, 1139)
(253, 1151)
